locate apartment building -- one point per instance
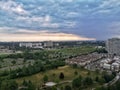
(113, 46)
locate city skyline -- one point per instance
(58, 20)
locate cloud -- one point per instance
(109, 7)
(11, 6)
(105, 11)
(47, 18)
(31, 19)
(89, 18)
(43, 35)
(109, 3)
(114, 27)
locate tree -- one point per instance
(96, 78)
(61, 88)
(0, 82)
(76, 73)
(45, 78)
(13, 85)
(74, 65)
(4, 86)
(118, 85)
(9, 85)
(13, 62)
(108, 77)
(61, 76)
(76, 83)
(114, 73)
(112, 87)
(24, 83)
(67, 87)
(1, 59)
(97, 71)
(54, 88)
(101, 80)
(101, 88)
(88, 73)
(88, 81)
(101, 50)
(30, 85)
(53, 74)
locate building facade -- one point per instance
(113, 46)
(48, 44)
(31, 45)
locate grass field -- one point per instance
(75, 50)
(53, 75)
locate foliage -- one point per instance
(67, 87)
(61, 76)
(45, 78)
(76, 83)
(28, 85)
(9, 85)
(116, 86)
(87, 81)
(108, 77)
(101, 50)
(76, 73)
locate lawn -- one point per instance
(75, 50)
(53, 75)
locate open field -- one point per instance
(53, 75)
(75, 50)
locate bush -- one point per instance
(67, 87)
(61, 76)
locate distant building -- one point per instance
(25, 45)
(113, 46)
(45, 44)
(48, 44)
(6, 50)
(2, 47)
(31, 45)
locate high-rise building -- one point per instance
(113, 46)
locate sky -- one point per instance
(41, 20)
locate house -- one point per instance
(107, 66)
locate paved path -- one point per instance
(113, 81)
(62, 82)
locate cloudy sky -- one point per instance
(38, 20)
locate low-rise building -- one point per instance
(5, 50)
(48, 44)
(106, 66)
(84, 59)
(31, 45)
(115, 66)
(112, 64)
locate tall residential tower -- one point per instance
(113, 46)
